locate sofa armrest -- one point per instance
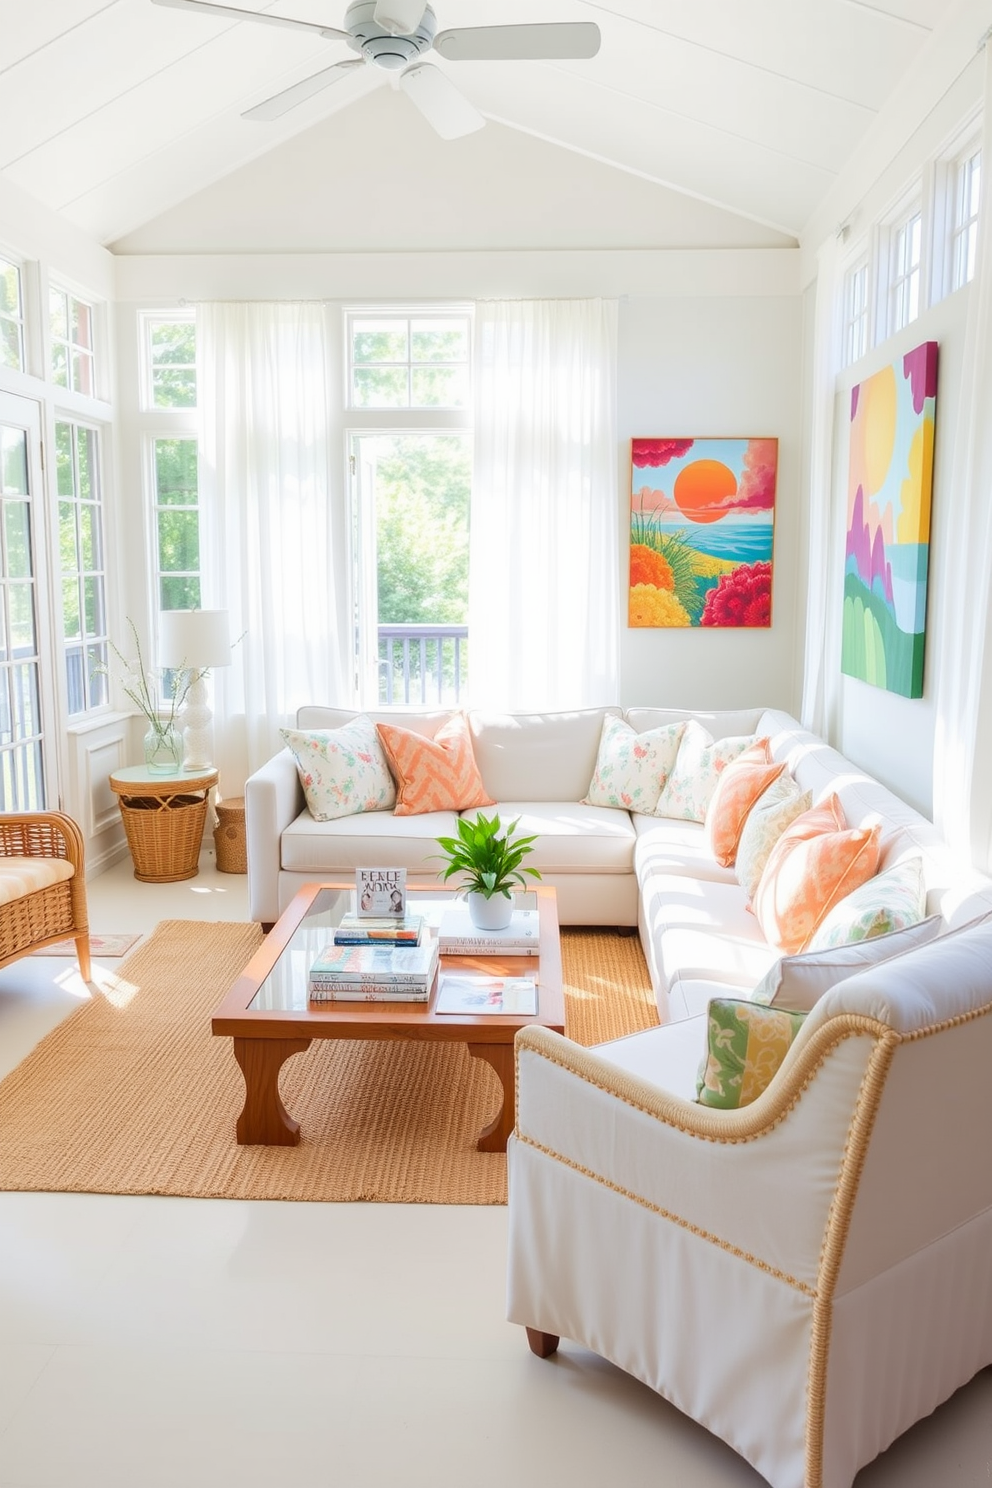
(273, 799)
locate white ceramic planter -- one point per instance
(490, 914)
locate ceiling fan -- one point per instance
(394, 34)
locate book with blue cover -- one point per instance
(406, 965)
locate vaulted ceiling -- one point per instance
(112, 111)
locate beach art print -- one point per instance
(702, 514)
(890, 477)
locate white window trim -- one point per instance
(425, 418)
(174, 315)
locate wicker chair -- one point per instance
(33, 917)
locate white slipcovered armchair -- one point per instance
(807, 1276)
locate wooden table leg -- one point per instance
(265, 1118)
(500, 1056)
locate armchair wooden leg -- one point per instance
(83, 956)
(542, 1344)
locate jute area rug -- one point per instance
(132, 1094)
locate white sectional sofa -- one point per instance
(608, 866)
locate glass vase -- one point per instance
(163, 750)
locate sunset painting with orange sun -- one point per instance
(702, 515)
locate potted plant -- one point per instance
(488, 857)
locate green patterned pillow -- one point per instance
(746, 1043)
(890, 901)
(768, 818)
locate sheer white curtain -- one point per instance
(825, 548)
(544, 593)
(274, 532)
(962, 777)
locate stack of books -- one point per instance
(358, 929)
(374, 972)
(457, 935)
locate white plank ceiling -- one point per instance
(111, 111)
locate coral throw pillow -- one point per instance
(813, 865)
(438, 774)
(738, 788)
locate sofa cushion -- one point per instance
(573, 838)
(438, 774)
(537, 756)
(665, 845)
(689, 789)
(631, 768)
(745, 1046)
(667, 1056)
(702, 930)
(815, 863)
(801, 980)
(22, 876)
(343, 771)
(337, 848)
(737, 790)
(768, 818)
(889, 901)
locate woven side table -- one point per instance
(164, 818)
(229, 835)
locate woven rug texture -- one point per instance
(132, 1094)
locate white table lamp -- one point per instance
(194, 641)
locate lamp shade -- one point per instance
(196, 639)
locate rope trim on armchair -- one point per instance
(677, 1219)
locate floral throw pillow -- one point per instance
(768, 818)
(890, 901)
(343, 771)
(745, 1046)
(631, 768)
(687, 792)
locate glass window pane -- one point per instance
(20, 597)
(174, 341)
(63, 459)
(68, 546)
(381, 387)
(85, 439)
(13, 461)
(82, 372)
(17, 529)
(75, 681)
(93, 602)
(10, 344)
(176, 471)
(379, 340)
(72, 629)
(439, 387)
(178, 541)
(439, 341)
(59, 314)
(10, 289)
(89, 538)
(60, 365)
(174, 388)
(179, 593)
(96, 662)
(24, 691)
(82, 327)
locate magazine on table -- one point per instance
(376, 963)
(358, 929)
(465, 993)
(380, 891)
(458, 936)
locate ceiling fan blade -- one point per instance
(281, 103)
(206, 7)
(446, 109)
(399, 17)
(554, 40)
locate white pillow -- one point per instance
(631, 768)
(343, 771)
(797, 982)
(687, 792)
(768, 818)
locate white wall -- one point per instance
(693, 366)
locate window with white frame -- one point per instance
(409, 393)
(855, 336)
(71, 326)
(168, 396)
(964, 224)
(906, 239)
(177, 523)
(11, 316)
(81, 564)
(169, 360)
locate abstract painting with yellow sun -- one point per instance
(890, 477)
(702, 515)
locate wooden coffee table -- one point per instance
(269, 1017)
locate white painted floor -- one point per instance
(174, 1343)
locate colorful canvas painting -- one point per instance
(888, 523)
(702, 515)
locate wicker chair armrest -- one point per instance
(41, 834)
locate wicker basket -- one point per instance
(229, 836)
(164, 838)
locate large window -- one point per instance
(170, 361)
(964, 230)
(71, 324)
(11, 317)
(81, 562)
(177, 524)
(408, 360)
